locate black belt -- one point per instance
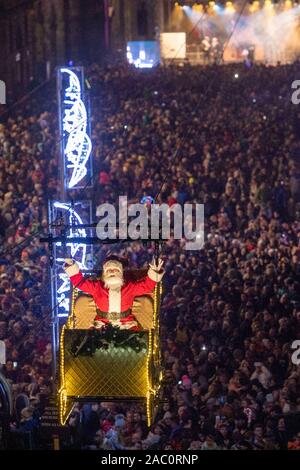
(113, 315)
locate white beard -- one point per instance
(114, 282)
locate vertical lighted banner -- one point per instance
(77, 214)
(76, 146)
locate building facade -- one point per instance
(38, 35)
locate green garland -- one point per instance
(88, 342)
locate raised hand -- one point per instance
(157, 265)
(71, 267)
(68, 262)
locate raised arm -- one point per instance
(76, 277)
(154, 275)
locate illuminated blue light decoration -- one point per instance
(79, 214)
(76, 250)
(76, 146)
(143, 54)
(147, 200)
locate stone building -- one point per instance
(35, 36)
(38, 35)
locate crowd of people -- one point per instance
(226, 136)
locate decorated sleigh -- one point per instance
(110, 365)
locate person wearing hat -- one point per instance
(113, 296)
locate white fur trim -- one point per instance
(113, 264)
(98, 324)
(154, 276)
(124, 326)
(72, 270)
(114, 300)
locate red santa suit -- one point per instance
(114, 305)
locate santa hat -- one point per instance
(186, 382)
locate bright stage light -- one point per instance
(254, 6)
(178, 6)
(198, 7)
(268, 4)
(288, 4)
(217, 8)
(213, 8)
(236, 75)
(177, 14)
(269, 8)
(229, 7)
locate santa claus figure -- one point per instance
(113, 296)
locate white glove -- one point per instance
(69, 262)
(71, 267)
(156, 265)
(156, 270)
